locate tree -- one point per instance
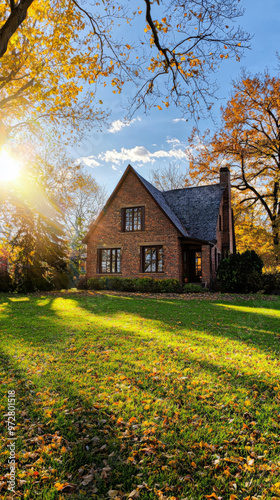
(45, 68)
(249, 143)
(167, 178)
(34, 238)
(15, 18)
(63, 52)
(54, 200)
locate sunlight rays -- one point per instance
(9, 167)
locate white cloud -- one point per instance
(173, 141)
(140, 154)
(114, 167)
(176, 120)
(89, 161)
(118, 125)
(173, 153)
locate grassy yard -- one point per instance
(134, 397)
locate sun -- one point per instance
(9, 167)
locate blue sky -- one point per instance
(160, 137)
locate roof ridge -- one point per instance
(192, 187)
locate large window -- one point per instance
(152, 259)
(109, 260)
(133, 219)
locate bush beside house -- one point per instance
(240, 273)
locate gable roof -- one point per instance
(161, 201)
(193, 211)
(154, 192)
(197, 208)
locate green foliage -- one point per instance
(143, 285)
(94, 284)
(82, 283)
(6, 282)
(240, 273)
(169, 285)
(271, 283)
(192, 288)
(148, 285)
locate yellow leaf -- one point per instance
(159, 107)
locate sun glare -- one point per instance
(9, 167)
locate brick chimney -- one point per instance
(227, 217)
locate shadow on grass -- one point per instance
(43, 327)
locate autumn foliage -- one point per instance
(249, 143)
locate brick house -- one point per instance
(143, 232)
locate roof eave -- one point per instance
(197, 240)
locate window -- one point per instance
(152, 259)
(133, 219)
(109, 260)
(197, 261)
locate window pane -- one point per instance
(154, 260)
(133, 219)
(110, 261)
(118, 260)
(137, 212)
(160, 259)
(105, 261)
(113, 261)
(128, 219)
(147, 260)
(198, 263)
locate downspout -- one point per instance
(210, 256)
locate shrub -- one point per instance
(129, 285)
(33, 283)
(271, 283)
(95, 284)
(82, 283)
(6, 282)
(145, 285)
(240, 273)
(169, 286)
(192, 288)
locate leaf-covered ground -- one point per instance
(121, 396)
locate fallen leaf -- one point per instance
(87, 479)
(112, 493)
(134, 494)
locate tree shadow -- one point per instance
(108, 322)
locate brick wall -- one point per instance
(158, 231)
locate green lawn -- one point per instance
(149, 398)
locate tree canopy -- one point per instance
(249, 142)
(57, 54)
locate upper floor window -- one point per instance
(109, 260)
(133, 219)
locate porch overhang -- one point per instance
(189, 240)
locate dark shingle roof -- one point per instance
(193, 211)
(160, 199)
(197, 208)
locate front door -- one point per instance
(192, 265)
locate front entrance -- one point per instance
(192, 264)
